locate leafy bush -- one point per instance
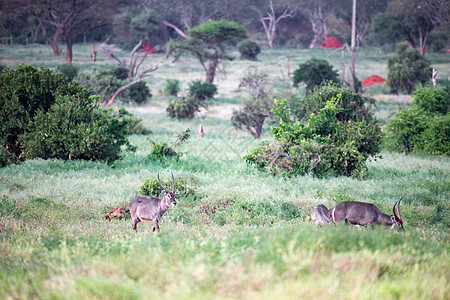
(70, 71)
(162, 150)
(152, 188)
(314, 72)
(138, 93)
(172, 87)
(200, 94)
(257, 108)
(424, 126)
(407, 68)
(26, 91)
(202, 91)
(6, 157)
(105, 82)
(353, 104)
(75, 128)
(249, 50)
(325, 145)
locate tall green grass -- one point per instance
(243, 235)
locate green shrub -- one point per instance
(202, 91)
(105, 82)
(407, 68)
(353, 104)
(162, 150)
(75, 128)
(256, 108)
(6, 157)
(314, 72)
(152, 188)
(138, 93)
(324, 146)
(424, 126)
(172, 87)
(70, 71)
(249, 50)
(26, 91)
(200, 94)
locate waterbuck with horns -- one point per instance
(144, 208)
(366, 214)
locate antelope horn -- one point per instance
(162, 185)
(398, 210)
(173, 184)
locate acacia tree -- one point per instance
(183, 15)
(206, 43)
(69, 18)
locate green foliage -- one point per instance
(407, 68)
(314, 72)
(6, 157)
(162, 150)
(76, 128)
(137, 93)
(218, 31)
(25, 92)
(202, 91)
(206, 44)
(70, 71)
(353, 105)
(106, 81)
(424, 126)
(257, 108)
(172, 87)
(152, 188)
(324, 146)
(249, 50)
(130, 26)
(200, 95)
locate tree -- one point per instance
(318, 12)
(271, 14)
(407, 68)
(69, 18)
(183, 15)
(206, 43)
(257, 108)
(365, 12)
(412, 20)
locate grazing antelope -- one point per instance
(366, 214)
(321, 215)
(144, 208)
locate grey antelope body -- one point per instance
(365, 214)
(144, 208)
(321, 215)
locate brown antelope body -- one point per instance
(321, 215)
(143, 208)
(366, 214)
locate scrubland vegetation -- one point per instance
(239, 233)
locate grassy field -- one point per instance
(243, 234)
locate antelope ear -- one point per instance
(163, 192)
(177, 192)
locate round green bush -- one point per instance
(70, 71)
(424, 126)
(406, 69)
(249, 50)
(314, 72)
